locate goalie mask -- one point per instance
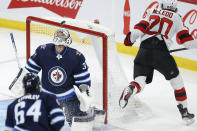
(62, 37)
(169, 4)
(31, 83)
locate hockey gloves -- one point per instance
(127, 40)
(127, 92)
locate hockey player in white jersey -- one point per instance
(156, 32)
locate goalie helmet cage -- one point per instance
(113, 78)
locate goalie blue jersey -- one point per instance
(59, 71)
(35, 112)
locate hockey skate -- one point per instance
(127, 92)
(187, 117)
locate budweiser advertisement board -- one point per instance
(64, 8)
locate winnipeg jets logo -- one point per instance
(43, 46)
(57, 76)
(78, 53)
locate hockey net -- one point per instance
(107, 76)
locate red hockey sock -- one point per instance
(180, 94)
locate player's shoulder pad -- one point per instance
(177, 17)
(80, 56)
(47, 95)
(76, 52)
(49, 98)
(11, 105)
(44, 47)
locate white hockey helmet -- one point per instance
(64, 39)
(169, 4)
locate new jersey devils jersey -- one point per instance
(164, 22)
(59, 71)
(35, 112)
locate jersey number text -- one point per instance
(161, 21)
(33, 110)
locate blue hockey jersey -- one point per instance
(59, 71)
(35, 112)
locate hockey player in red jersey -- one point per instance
(156, 31)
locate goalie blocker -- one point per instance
(94, 119)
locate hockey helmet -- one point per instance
(31, 82)
(169, 4)
(62, 37)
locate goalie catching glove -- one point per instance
(84, 97)
(16, 86)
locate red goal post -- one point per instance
(88, 31)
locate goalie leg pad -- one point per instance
(100, 117)
(83, 123)
(71, 108)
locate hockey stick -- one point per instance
(18, 62)
(175, 50)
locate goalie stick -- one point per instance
(18, 62)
